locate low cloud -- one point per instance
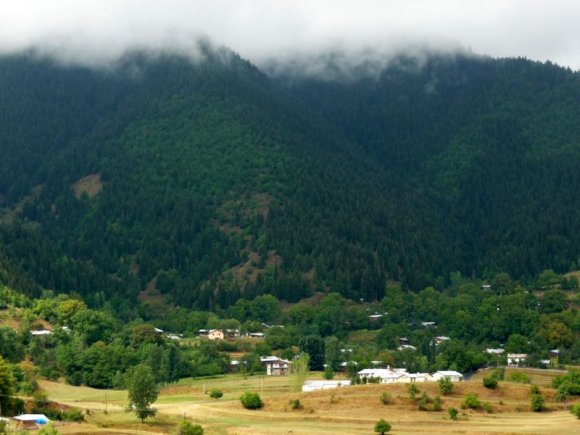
(261, 30)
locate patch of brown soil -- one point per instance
(92, 185)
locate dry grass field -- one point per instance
(346, 410)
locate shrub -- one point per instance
(216, 394)
(471, 401)
(490, 382)
(571, 379)
(385, 398)
(328, 372)
(445, 386)
(487, 407)
(499, 374)
(563, 393)
(520, 377)
(413, 391)
(48, 429)
(73, 415)
(251, 400)
(424, 401)
(295, 404)
(437, 404)
(382, 427)
(575, 409)
(536, 398)
(452, 413)
(187, 428)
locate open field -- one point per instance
(347, 410)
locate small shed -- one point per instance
(31, 421)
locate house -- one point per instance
(216, 334)
(159, 331)
(31, 421)
(516, 359)
(486, 287)
(414, 377)
(429, 324)
(403, 340)
(256, 334)
(406, 346)
(375, 317)
(173, 337)
(497, 351)
(385, 376)
(324, 385)
(343, 366)
(235, 365)
(451, 374)
(232, 333)
(41, 332)
(441, 339)
(275, 366)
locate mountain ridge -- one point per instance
(212, 167)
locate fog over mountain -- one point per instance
(95, 31)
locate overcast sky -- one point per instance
(260, 29)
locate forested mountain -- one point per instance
(205, 180)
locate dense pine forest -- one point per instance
(197, 183)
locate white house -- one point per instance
(393, 376)
(41, 332)
(452, 375)
(275, 366)
(406, 346)
(386, 376)
(497, 351)
(441, 339)
(216, 334)
(324, 385)
(415, 377)
(516, 359)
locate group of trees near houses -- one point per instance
(97, 348)
(213, 181)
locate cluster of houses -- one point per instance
(401, 376)
(384, 376)
(222, 334)
(276, 366)
(521, 359)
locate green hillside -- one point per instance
(202, 181)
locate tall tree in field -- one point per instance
(299, 372)
(142, 390)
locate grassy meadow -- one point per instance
(346, 410)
